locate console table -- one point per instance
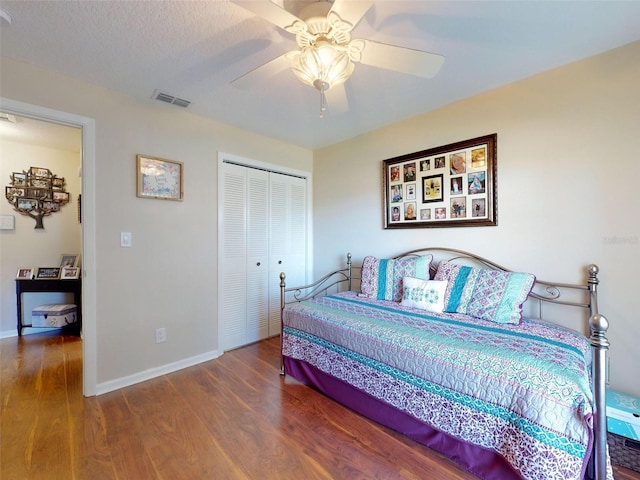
(50, 286)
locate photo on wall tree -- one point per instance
(36, 193)
(449, 186)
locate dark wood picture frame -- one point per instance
(457, 185)
(48, 273)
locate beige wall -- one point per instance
(568, 143)
(29, 247)
(567, 148)
(169, 278)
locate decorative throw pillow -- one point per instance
(369, 277)
(382, 278)
(424, 294)
(485, 293)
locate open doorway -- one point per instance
(46, 119)
(42, 164)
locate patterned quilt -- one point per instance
(520, 390)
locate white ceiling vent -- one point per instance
(173, 100)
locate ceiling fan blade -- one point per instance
(274, 14)
(401, 59)
(351, 11)
(337, 101)
(263, 72)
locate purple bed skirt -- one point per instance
(484, 463)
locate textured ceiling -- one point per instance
(194, 49)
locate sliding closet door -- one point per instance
(257, 255)
(263, 231)
(288, 239)
(245, 257)
(232, 260)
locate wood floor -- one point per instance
(230, 418)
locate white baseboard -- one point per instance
(25, 331)
(9, 333)
(112, 385)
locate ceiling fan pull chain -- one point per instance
(323, 102)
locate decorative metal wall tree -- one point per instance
(36, 193)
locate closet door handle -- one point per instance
(258, 264)
(279, 262)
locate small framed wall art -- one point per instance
(159, 178)
(449, 186)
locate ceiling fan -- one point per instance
(327, 53)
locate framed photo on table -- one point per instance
(70, 273)
(48, 273)
(159, 178)
(69, 260)
(451, 186)
(25, 273)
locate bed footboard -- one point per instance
(332, 281)
(598, 325)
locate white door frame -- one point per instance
(88, 159)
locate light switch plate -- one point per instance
(7, 222)
(126, 239)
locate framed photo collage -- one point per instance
(453, 185)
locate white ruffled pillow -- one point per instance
(424, 294)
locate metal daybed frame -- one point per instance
(542, 292)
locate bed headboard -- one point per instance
(544, 292)
(575, 295)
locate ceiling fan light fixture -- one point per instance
(322, 66)
(326, 53)
(322, 62)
